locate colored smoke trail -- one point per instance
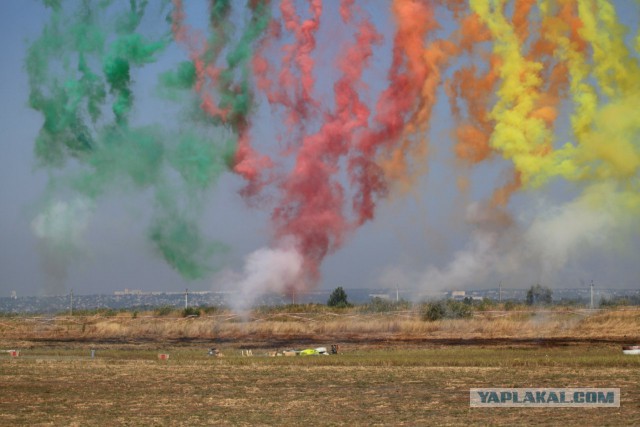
(602, 161)
(473, 90)
(607, 135)
(543, 91)
(311, 213)
(297, 63)
(82, 74)
(247, 163)
(312, 207)
(408, 160)
(225, 90)
(393, 108)
(519, 134)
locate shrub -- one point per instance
(486, 304)
(509, 305)
(164, 310)
(433, 311)
(382, 305)
(539, 295)
(456, 310)
(614, 302)
(338, 298)
(211, 309)
(191, 311)
(448, 309)
(290, 308)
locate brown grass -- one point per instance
(394, 369)
(360, 387)
(615, 325)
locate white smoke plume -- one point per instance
(570, 231)
(266, 270)
(482, 255)
(60, 228)
(469, 265)
(63, 224)
(553, 238)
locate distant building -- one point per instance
(129, 292)
(458, 295)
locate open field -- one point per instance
(360, 387)
(388, 373)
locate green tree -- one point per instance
(539, 295)
(338, 298)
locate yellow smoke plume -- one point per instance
(605, 90)
(521, 134)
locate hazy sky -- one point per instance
(424, 238)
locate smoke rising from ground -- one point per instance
(61, 227)
(267, 270)
(555, 237)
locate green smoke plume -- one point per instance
(237, 96)
(82, 72)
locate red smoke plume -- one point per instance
(312, 206)
(406, 76)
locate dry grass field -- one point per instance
(281, 325)
(394, 369)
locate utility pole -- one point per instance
(500, 291)
(592, 294)
(186, 298)
(71, 303)
(397, 294)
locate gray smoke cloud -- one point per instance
(60, 228)
(265, 270)
(537, 248)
